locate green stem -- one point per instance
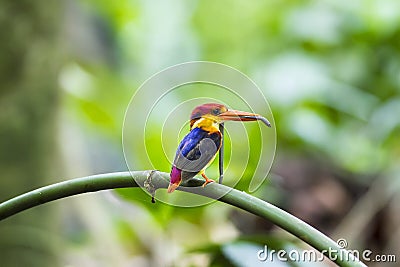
(230, 196)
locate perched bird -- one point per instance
(199, 147)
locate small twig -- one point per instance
(149, 185)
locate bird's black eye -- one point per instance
(216, 111)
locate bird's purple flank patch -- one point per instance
(175, 175)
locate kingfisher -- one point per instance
(199, 147)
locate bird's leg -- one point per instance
(207, 179)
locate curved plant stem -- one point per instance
(213, 190)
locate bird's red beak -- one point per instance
(236, 115)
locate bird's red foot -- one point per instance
(207, 180)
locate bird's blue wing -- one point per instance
(196, 150)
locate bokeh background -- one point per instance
(329, 69)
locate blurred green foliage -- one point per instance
(29, 101)
(329, 69)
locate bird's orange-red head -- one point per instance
(211, 109)
(220, 113)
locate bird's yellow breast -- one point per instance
(207, 124)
